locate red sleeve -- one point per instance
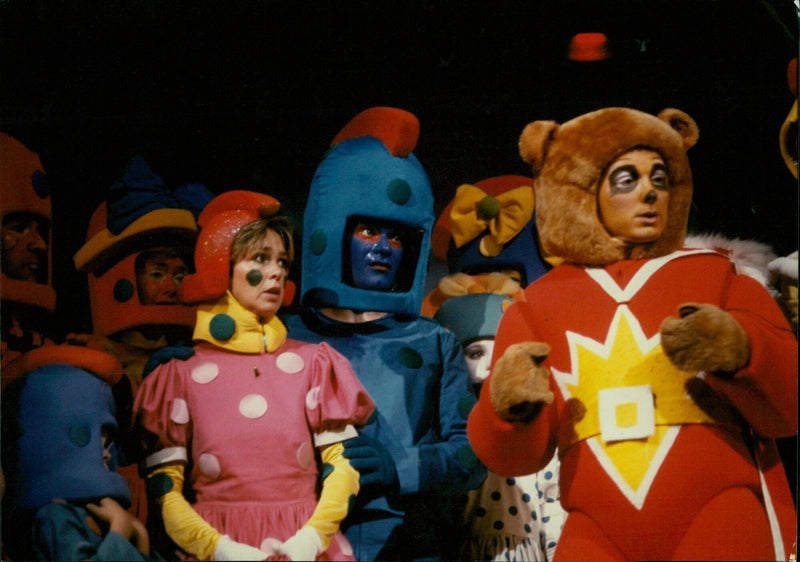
(765, 391)
(511, 449)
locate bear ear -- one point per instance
(534, 141)
(683, 124)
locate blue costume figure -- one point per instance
(366, 240)
(65, 499)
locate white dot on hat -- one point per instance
(312, 398)
(289, 362)
(180, 411)
(305, 455)
(205, 373)
(209, 465)
(253, 406)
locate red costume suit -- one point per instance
(655, 462)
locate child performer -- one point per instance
(508, 518)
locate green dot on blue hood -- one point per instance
(222, 327)
(318, 242)
(399, 191)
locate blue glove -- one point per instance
(371, 459)
(163, 355)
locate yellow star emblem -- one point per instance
(627, 400)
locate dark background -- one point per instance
(248, 94)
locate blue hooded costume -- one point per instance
(412, 368)
(54, 417)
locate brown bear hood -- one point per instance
(569, 162)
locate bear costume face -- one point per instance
(569, 162)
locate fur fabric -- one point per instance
(705, 338)
(750, 257)
(520, 385)
(568, 163)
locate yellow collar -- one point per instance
(227, 324)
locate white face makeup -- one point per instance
(478, 356)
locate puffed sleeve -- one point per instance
(336, 402)
(162, 421)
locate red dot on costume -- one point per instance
(585, 47)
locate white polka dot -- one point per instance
(253, 406)
(344, 544)
(305, 455)
(209, 466)
(289, 362)
(312, 398)
(270, 546)
(180, 411)
(205, 373)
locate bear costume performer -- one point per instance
(660, 374)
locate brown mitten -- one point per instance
(705, 338)
(520, 384)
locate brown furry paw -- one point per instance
(705, 338)
(520, 385)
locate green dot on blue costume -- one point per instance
(123, 290)
(398, 191)
(79, 435)
(158, 485)
(222, 327)
(325, 470)
(465, 405)
(254, 277)
(318, 242)
(409, 358)
(351, 503)
(466, 457)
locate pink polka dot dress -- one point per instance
(249, 424)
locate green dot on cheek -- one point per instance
(254, 277)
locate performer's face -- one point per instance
(478, 356)
(24, 247)
(633, 199)
(258, 278)
(161, 279)
(376, 251)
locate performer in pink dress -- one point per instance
(242, 418)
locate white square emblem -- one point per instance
(626, 412)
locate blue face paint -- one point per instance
(375, 256)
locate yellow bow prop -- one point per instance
(505, 216)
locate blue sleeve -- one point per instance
(449, 464)
(60, 532)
